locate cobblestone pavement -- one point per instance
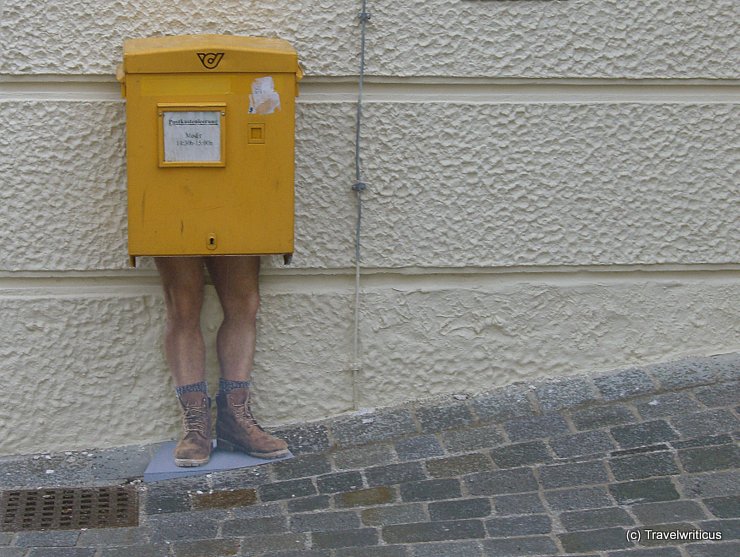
(618, 464)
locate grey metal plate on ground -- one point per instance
(162, 465)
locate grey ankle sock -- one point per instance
(227, 385)
(200, 387)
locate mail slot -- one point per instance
(210, 126)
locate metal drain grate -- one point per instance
(68, 508)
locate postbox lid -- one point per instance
(209, 53)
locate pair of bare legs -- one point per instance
(236, 279)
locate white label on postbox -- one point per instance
(264, 99)
(192, 136)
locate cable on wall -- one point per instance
(358, 187)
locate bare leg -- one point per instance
(237, 283)
(182, 280)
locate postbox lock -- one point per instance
(211, 242)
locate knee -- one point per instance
(183, 308)
(243, 307)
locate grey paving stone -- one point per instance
(431, 490)
(149, 550)
(49, 538)
(255, 526)
(668, 512)
(578, 498)
(396, 514)
(728, 366)
(667, 404)
(324, 521)
(119, 463)
(502, 404)
(433, 531)
(522, 525)
(287, 489)
(730, 528)
(644, 491)
(440, 417)
(715, 484)
(646, 433)
(497, 482)
(581, 444)
(523, 429)
(305, 438)
(624, 384)
(112, 537)
(458, 465)
(450, 549)
(579, 473)
(472, 438)
(257, 511)
(595, 540)
(378, 551)
(394, 474)
(660, 447)
(640, 466)
(416, 448)
(304, 504)
(30, 471)
(593, 519)
(460, 509)
(703, 441)
(171, 496)
(722, 394)
(271, 543)
(61, 552)
(12, 552)
(565, 392)
(345, 538)
(684, 373)
(302, 467)
(5, 538)
(711, 422)
(651, 552)
(521, 503)
(378, 426)
(533, 545)
(338, 482)
(300, 553)
(182, 526)
(718, 457)
(204, 548)
(714, 549)
(724, 507)
(363, 457)
(237, 479)
(521, 454)
(602, 416)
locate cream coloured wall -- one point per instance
(552, 189)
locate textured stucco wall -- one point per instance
(479, 185)
(586, 221)
(518, 38)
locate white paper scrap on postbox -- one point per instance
(264, 99)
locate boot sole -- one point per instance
(229, 446)
(190, 462)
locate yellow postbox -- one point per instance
(210, 123)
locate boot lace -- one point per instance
(243, 414)
(194, 420)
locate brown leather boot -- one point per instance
(237, 430)
(194, 449)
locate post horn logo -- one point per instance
(210, 60)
